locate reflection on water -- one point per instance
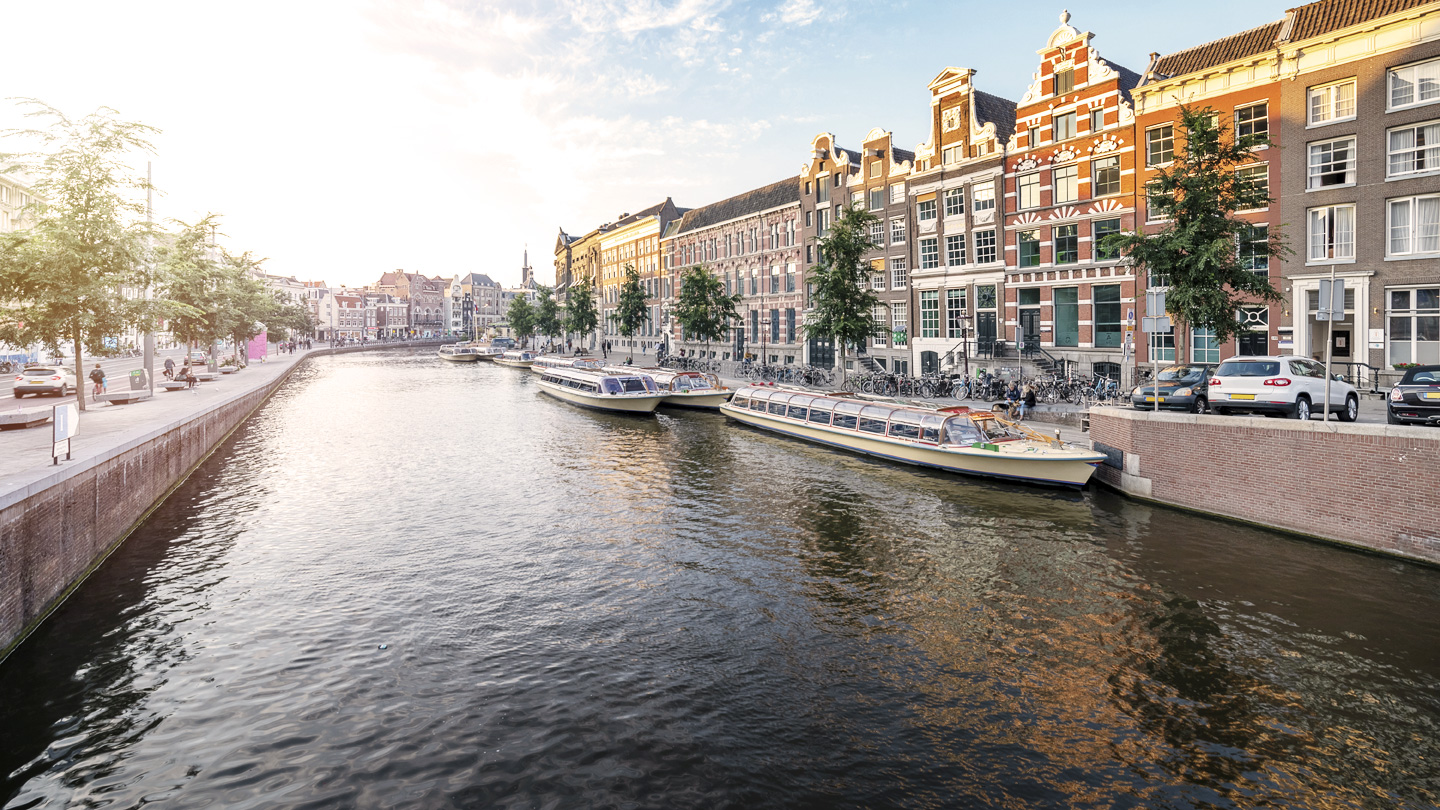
(409, 583)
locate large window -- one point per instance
(984, 196)
(985, 248)
(1203, 346)
(954, 313)
(1414, 224)
(1097, 119)
(954, 202)
(1258, 176)
(1159, 145)
(1254, 249)
(1063, 126)
(822, 221)
(1028, 186)
(1252, 122)
(929, 313)
(897, 231)
(1067, 184)
(882, 334)
(1413, 149)
(1106, 298)
(1067, 316)
(877, 232)
(926, 210)
(929, 253)
(1155, 204)
(1162, 345)
(955, 250)
(899, 322)
(898, 277)
(1332, 102)
(877, 198)
(1332, 163)
(1100, 229)
(1414, 318)
(1414, 84)
(1331, 233)
(1067, 244)
(1029, 242)
(790, 325)
(822, 191)
(1105, 176)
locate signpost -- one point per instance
(1151, 324)
(1332, 309)
(66, 419)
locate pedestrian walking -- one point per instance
(98, 377)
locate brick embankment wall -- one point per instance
(1370, 486)
(53, 538)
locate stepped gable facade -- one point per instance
(1069, 182)
(751, 241)
(958, 265)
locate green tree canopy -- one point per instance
(77, 274)
(522, 318)
(190, 274)
(580, 314)
(843, 304)
(703, 309)
(631, 311)
(1194, 254)
(547, 312)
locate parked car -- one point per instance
(1182, 387)
(1279, 386)
(199, 357)
(45, 380)
(1416, 398)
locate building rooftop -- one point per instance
(749, 202)
(992, 109)
(1217, 52)
(1314, 19)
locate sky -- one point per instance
(342, 139)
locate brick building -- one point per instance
(634, 240)
(1069, 182)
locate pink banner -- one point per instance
(258, 346)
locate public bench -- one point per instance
(174, 385)
(206, 376)
(22, 418)
(124, 397)
(229, 369)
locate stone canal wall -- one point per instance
(1369, 486)
(63, 525)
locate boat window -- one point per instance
(757, 404)
(796, 412)
(930, 427)
(845, 420)
(697, 382)
(869, 425)
(741, 402)
(960, 430)
(993, 430)
(612, 385)
(777, 408)
(901, 430)
(592, 388)
(801, 400)
(635, 385)
(820, 414)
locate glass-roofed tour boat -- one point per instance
(685, 389)
(517, 358)
(955, 439)
(560, 361)
(629, 392)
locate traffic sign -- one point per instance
(1332, 300)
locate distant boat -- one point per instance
(559, 361)
(457, 353)
(624, 393)
(685, 389)
(954, 439)
(517, 358)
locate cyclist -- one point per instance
(98, 377)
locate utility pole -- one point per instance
(149, 319)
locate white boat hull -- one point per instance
(1012, 462)
(708, 400)
(624, 403)
(514, 363)
(460, 358)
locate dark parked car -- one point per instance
(1182, 387)
(1416, 398)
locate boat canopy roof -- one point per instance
(569, 362)
(882, 411)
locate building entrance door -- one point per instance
(1252, 344)
(1029, 330)
(985, 332)
(822, 353)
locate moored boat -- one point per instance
(625, 393)
(685, 389)
(560, 361)
(954, 439)
(457, 353)
(489, 352)
(517, 358)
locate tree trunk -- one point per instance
(840, 361)
(79, 369)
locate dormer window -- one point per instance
(1064, 81)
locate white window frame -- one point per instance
(1411, 227)
(1022, 185)
(897, 231)
(929, 253)
(881, 338)
(954, 257)
(1329, 98)
(1236, 123)
(899, 274)
(994, 245)
(1431, 66)
(877, 281)
(982, 196)
(900, 322)
(957, 197)
(1065, 178)
(1149, 161)
(1261, 169)
(1312, 172)
(1418, 152)
(1327, 215)
(877, 232)
(933, 208)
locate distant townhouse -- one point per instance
(880, 185)
(751, 242)
(634, 241)
(823, 194)
(16, 197)
(1069, 182)
(955, 190)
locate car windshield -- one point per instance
(1421, 376)
(1182, 374)
(1248, 368)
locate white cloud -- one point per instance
(795, 12)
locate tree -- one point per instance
(522, 317)
(580, 314)
(703, 309)
(844, 306)
(631, 311)
(66, 278)
(190, 276)
(547, 312)
(1195, 254)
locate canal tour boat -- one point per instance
(685, 389)
(517, 358)
(458, 353)
(954, 439)
(557, 361)
(629, 392)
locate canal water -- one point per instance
(411, 584)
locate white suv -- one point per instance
(1279, 386)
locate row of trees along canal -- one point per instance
(1193, 255)
(92, 265)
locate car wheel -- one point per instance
(1302, 409)
(1389, 417)
(1351, 410)
(64, 390)
(1199, 406)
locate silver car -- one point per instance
(45, 380)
